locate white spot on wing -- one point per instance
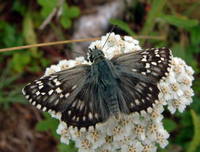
(137, 102)
(96, 115)
(69, 112)
(77, 118)
(23, 91)
(81, 106)
(40, 86)
(38, 106)
(61, 95)
(74, 117)
(90, 115)
(144, 59)
(44, 108)
(148, 71)
(147, 65)
(57, 83)
(153, 63)
(74, 87)
(134, 70)
(66, 95)
(56, 102)
(38, 82)
(37, 93)
(58, 90)
(143, 73)
(148, 94)
(132, 104)
(27, 96)
(50, 92)
(74, 104)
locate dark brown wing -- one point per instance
(140, 73)
(71, 92)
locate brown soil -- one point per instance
(17, 133)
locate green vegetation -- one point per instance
(19, 26)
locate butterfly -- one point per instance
(89, 94)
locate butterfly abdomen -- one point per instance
(111, 100)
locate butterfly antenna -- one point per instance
(109, 35)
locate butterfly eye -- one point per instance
(91, 58)
(89, 55)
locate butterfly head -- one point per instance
(95, 55)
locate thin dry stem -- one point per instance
(71, 41)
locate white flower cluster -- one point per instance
(137, 132)
(176, 89)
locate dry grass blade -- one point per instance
(71, 41)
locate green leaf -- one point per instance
(196, 138)
(67, 14)
(196, 99)
(156, 9)
(19, 7)
(28, 31)
(47, 6)
(122, 25)
(169, 125)
(195, 36)
(74, 12)
(179, 21)
(185, 119)
(67, 148)
(47, 124)
(66, 22)
(19, 61)
(34, 67)
(7, 81)
(45, 62)
(9, 36)
(70, 12)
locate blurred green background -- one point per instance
(22, 127)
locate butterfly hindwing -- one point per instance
(88, 107)
(138, 95)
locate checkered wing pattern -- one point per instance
(71, 92)
(140, 73)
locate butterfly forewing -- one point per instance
(71, 92)
(147, 65)
(56, 91)
(136, 94)
(140, 72)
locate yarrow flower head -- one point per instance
(136, 132)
